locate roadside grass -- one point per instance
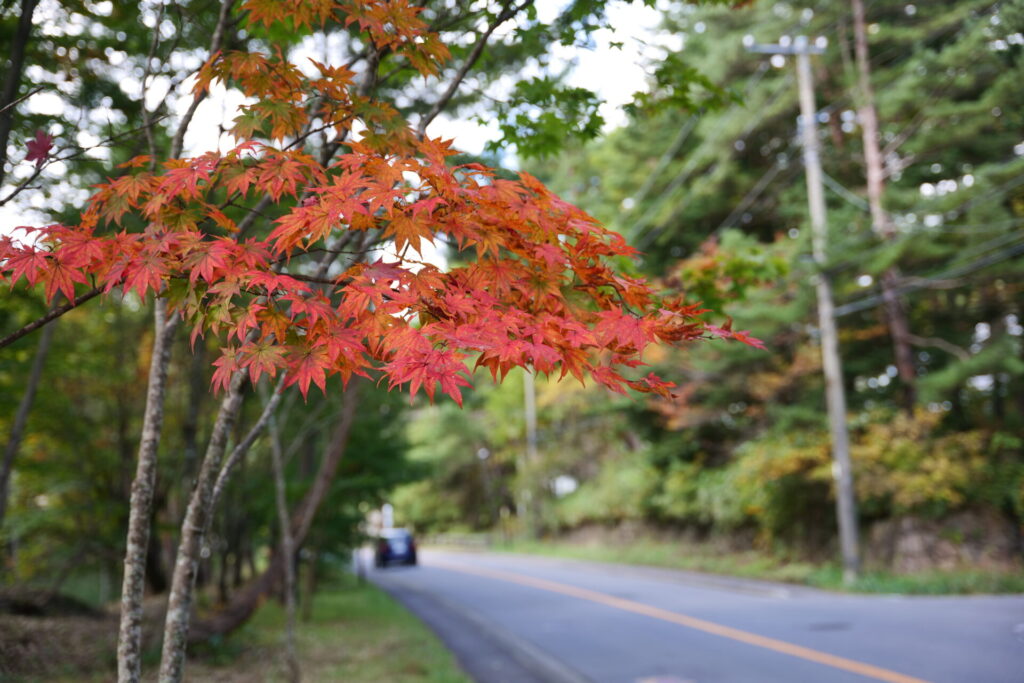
(356, 633)
(760, 565)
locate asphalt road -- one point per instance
(521, 619)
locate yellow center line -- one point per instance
(736, 634)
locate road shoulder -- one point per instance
(487, 653)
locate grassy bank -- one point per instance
(759, 565)
(355, 633)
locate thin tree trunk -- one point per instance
(287, 551)
(129, 643)
(895, 312)
(21, 417)
(179, 604)
(12, 78)
(130, 637)
(245, 601)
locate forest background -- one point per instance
(705, 178)
(717, 200)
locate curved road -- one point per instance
(522, 619)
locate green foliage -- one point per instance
(621, 490)
(540, 115)
(677, 84)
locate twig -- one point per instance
(21, 99)
(939, 343)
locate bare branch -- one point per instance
(218, 36)
(52, 315)
(939, 343)
(478, 49)
(21, 99)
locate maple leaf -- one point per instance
(28, 262)
(308, 366)
(39, 148)
(262, 357)
(60, 277)
(226, 366)
(208, 258)
(143, 273)
(405, 230)
(742, 336)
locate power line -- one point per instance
(753, 194)
(876, 299)
(684, 133)
(638, 228)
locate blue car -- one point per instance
(395, 546)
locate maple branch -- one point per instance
(454, 18)
(250, 218)
(52, 315)
(305, 135)
(21, 99)
(366, 86)
(24, 184)
(312, 278)
(320, 250)
(218, 35)
(245, 444)
(478, 49)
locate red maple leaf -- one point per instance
(39, 148)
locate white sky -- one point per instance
(613, 73)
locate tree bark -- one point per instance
(193, 527)
(21, 417)
(245, 601)
(895, 312)
(129, 643)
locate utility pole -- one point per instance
(835, 396)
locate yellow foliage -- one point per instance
(905, 461)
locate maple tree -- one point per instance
(538, 289)
(541, 291)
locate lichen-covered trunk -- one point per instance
(193, 527)
(129, 643)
